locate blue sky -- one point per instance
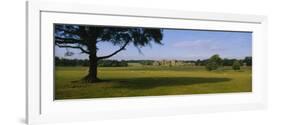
(180, 45)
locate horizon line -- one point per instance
(239, 58)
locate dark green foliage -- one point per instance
(85, 38)
(214, 63)
(212, 66)
(71, 62)
(228, 62)
(146, 62)
(112, 63)
(236, 65)
(248, 61)
(85, 62)
(198, 62)
(201, 62)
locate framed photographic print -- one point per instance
(91, 62)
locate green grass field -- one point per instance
(150, 81)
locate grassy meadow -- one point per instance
(138, 80)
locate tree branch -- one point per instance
(74, 47)
(67, 40)
(117, 51)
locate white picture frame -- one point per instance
(41, 107)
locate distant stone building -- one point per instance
(191, 64)
(244, 64)
(156, 63)
(168, 63)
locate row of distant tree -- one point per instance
(112, 63)
(71, 62)
(85, 62)
(101, 63)
(247, 61)
(215, 62)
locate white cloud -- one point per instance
(184, 44)
(199, 44)
(216, 48)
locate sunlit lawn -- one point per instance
(149, 81)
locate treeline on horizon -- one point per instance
(124, 63)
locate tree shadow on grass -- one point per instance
(152, 82)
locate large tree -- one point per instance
(214, 62)
(85, 38)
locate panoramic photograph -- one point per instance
(93, 61)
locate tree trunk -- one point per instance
(93, 64)
(92, 74)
